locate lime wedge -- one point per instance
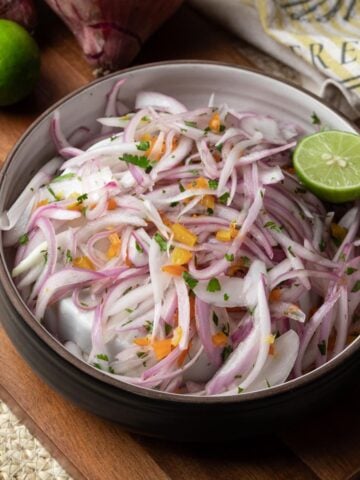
(328, 164)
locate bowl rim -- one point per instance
(98, 375)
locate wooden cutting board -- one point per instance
(325, 446)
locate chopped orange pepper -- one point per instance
(75, 206)
(214, 123)
(183, 235)
(162, 348)
(219, 339)
(270, 339)
(227, 235)
(83, 262)
(42, 203)
(291, 170)
(115, 245)
(111, 204)
(208, 201)
(200, 182)
(142, 341)
(338, 232)
(176, 336)
(275, 295)
(176, 270)
(180, 256)
(128, 262)
(272, 350)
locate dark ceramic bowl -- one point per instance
(155, 413)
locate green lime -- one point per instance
(19, 62)
(328, 164)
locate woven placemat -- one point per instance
(22, 457)
(21, 454)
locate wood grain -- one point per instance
(325, 446)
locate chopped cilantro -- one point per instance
(322, 246)
(45, 254)
(226, 352)
(141, 354)
(69, 257)
(113, 137)
(229, 257)
(191, 282)
(322, 347)
(23, 239)
(148, 325)
(142, 162)
(183, 130)
(267, 383)
(315, 120)
(350, 270)
(224, 198)
(219, 147)
(97, 365)
(222, 128)
(51, 191)
(226, 297)
(62, 178)
(190, 124)
(213, 184)
(245, 261)
(145, 119)
(160, 241)
(273, 226)
(206, 130)
(129, 310)
(143, 145)
(181, 188)
(213, 285)
(168, 329)
(210, 211)
(291, 251)
(215, 319)
(81, 198)
(138, 247)
(356, 287)
(226, 329)
(102, 356)
(174, 204)
(240, 390)
(111, 370)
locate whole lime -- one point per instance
(19, 62)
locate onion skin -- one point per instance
(19, 11)
(112, 32)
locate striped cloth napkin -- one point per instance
(318, 38)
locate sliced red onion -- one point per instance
(159, 101)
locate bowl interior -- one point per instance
(192, 84)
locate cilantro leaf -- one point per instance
(224, 198)
(143, 145)
(190, 124)
(142, 162)
(102, 356)
(273, 226)
(322, 347)
(213, 184)
(229, 257)
(62, 178)
(160, 241)
(191, 282)
(23, 239)
(356, 287)
(350, 270)
(213, 285)
(315, 120)
(81, 198)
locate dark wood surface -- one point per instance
(324, 446)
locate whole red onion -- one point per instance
(111, 32)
